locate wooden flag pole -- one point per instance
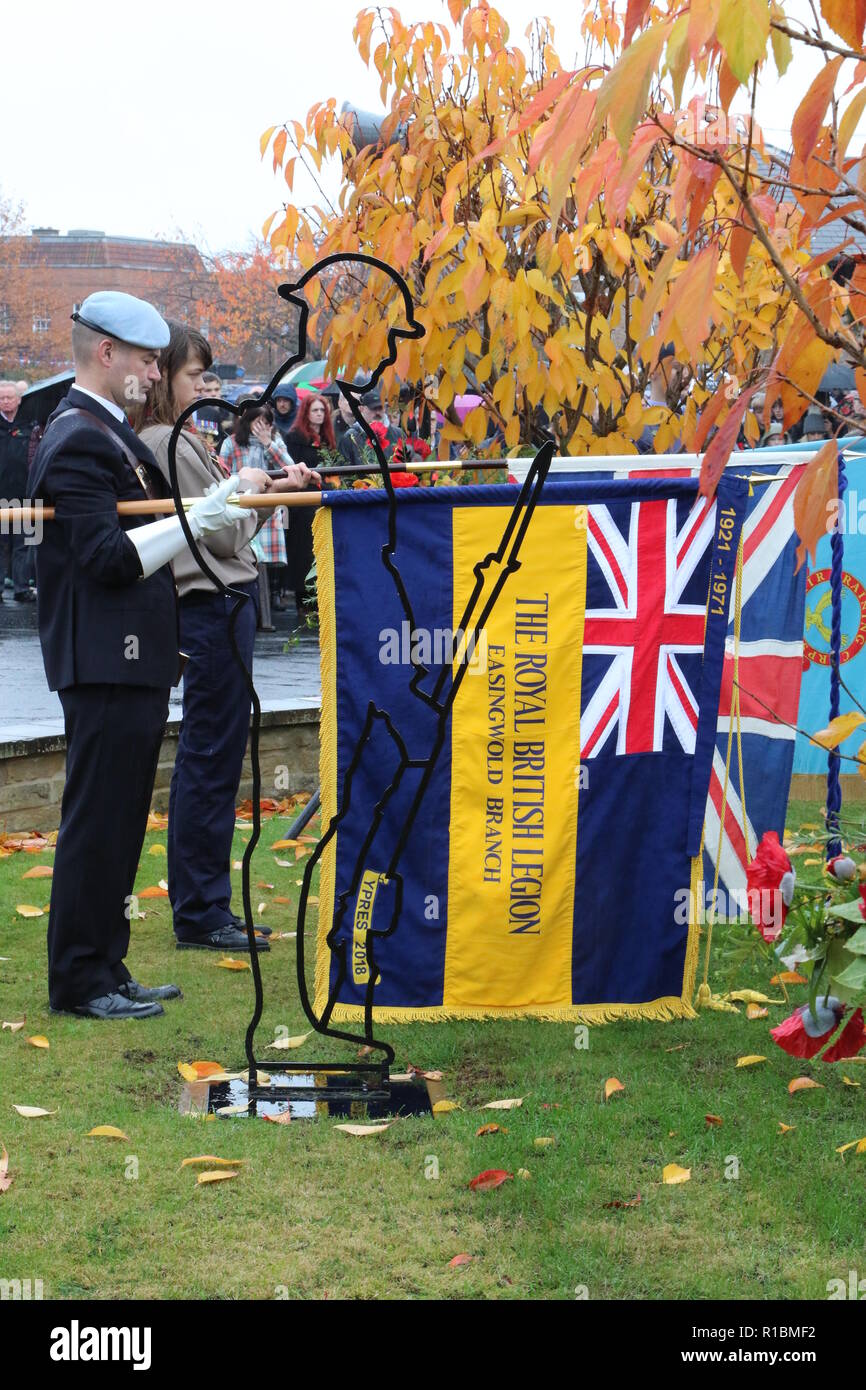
(164, 506)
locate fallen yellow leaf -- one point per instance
(754, 1011)
(38, 1041)
(510, 1104)
(673, 1173)
(187, 1072)
(442, 1107)
(28, 910)
(16, 1027)
(544, 1141)
(285, 844)
(217, 1176)
(360, 1130)
(750, 1061)
(212, 1158)
(751, 996)
(297, 1041)
(789, 977)
(846, 1080)
(228, 963)
(785, 1129)
(803, 1083)
(107, 1132)
(611, 1086)
(524, 1173)
(859, 1145)
(157, 849)
(40, 871)
(33, 1112)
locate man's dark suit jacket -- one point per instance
(92, 599)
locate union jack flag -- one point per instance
(770, 671)
(644, 627)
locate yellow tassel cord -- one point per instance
(705, 999)
(663, 1010)
(323, 548)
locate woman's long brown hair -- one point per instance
(183, 343)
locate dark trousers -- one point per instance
(15, 560)
(210, 754)
(299, 551)
(113, 737)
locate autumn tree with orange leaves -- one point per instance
(558, 226)
(246, 321)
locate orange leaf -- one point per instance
(810, 114)
(280, 148)
(847, 18)
(789, 977)
(738, 247)
(40, 871)
(5, 1175)
(755, 1011)
(804, 1083)
(816, 492)
(39, 1041)
(713, 1119)
(611, 1086)
(284, 1119)
(722, 443)
(621, 1206)
(634, 16)
(459, 1260)
(490, 1178)
(153, 893)
(490, 1129)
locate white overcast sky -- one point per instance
(144, 119)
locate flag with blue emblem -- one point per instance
(514, 814)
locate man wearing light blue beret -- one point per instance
(108, 627)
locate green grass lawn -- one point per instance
(315, 1212)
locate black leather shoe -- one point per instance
(241, 925)
(226, 938)
(113, 1005)
(25, 596)
(143, 994)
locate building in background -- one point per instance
(45, 275)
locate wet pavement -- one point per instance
(286, 672)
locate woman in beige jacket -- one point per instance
(216, 706)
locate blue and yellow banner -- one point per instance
(514, 805)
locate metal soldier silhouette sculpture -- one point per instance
(435, 689)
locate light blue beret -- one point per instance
(124, 317)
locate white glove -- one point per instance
(212, 512)
(160, 541)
